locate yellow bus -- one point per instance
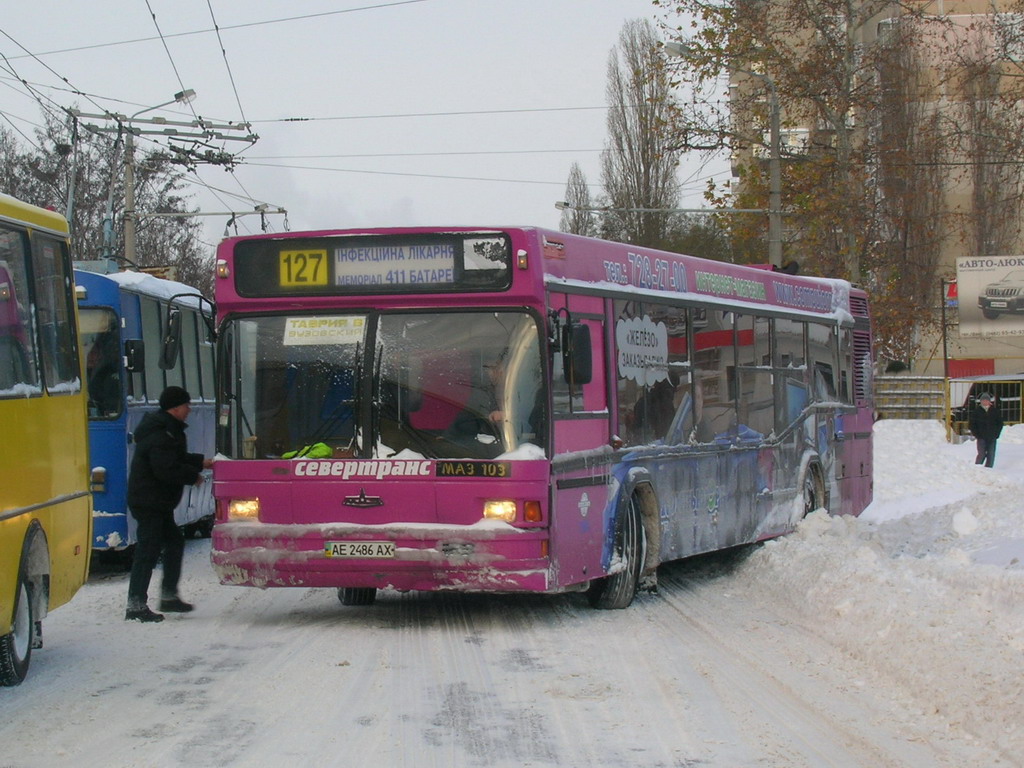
(45, 502)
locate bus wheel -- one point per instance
(357, 595)
(619, 589)
(16, 646)
(814, 490)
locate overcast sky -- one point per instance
(433, 112)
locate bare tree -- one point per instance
(68, 162)
(638, 165)
(576, 217)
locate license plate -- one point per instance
(998, 304)
(378, 549)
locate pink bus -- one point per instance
(519, 409)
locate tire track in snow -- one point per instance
(804, 701)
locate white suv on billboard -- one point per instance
(1006, 296)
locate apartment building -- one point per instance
(924, 103)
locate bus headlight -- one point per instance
(244, 509)
(500, 509)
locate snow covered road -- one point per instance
(701, 674)
(851, 643)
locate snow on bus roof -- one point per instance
(157, 287)
(625, 269)
(840, 314)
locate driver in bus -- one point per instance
(104, 378)
(482, 414)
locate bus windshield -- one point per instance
(430, 384)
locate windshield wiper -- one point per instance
(389, 406)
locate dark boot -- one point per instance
(142, 614)
(175, 605)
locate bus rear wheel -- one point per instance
(814, 490)
(16, 645)
(357, 595)
(619, 589)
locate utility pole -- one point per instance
(774, 175)
(195, 130)
(129, 197)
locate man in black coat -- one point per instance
(986, 424)
(160, 470)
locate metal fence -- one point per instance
(910, 397)
(948, 400)
(964, 393)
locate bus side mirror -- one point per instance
(135, 356)
(576, 355)
(172, 340)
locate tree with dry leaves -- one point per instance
(867, 153)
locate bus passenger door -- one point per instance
(580, 483)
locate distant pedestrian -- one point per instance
(160, 470)
(986, 424)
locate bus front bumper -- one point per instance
(490, 557)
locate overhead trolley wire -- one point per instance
(167, 50)
(229, 27)
(38, 96)
(469, 153)
(395, 173)
(227, 65)
(456, 113)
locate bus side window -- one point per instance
(755, 401)
(654, 398)
(822, 346)
(152, 337)
(103, 372)
(824, 382)
(586, 313)
(17, 350)
(714, 359)
(790, 372)
(190, 361)
(55, 315)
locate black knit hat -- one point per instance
(172, 397)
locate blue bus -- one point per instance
(124, 319)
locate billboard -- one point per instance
(991, 295)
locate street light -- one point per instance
(684, 51)
(182, 97)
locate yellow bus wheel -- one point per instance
(16, 646)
